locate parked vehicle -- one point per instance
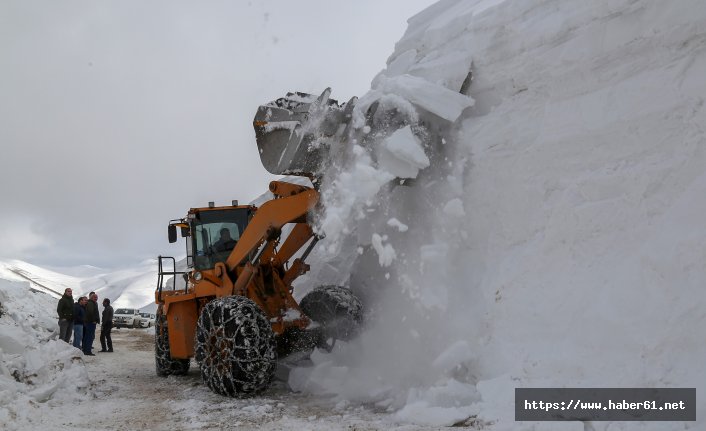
(147, 320)
(126, 318)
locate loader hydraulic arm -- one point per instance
(292, 205)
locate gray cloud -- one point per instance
(118, 116)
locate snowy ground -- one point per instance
(125, 394)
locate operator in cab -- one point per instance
(225, 242)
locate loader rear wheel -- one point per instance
(235, 347)
(336, 309)
(164, 363)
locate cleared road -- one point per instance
(126, 394)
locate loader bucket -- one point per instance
(295, 133)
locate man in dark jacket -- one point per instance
(65, 310)
(89, 324)
(106, 326)
(79, 316)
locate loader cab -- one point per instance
(214, 232)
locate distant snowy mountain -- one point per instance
(42, 279)
(130, 287)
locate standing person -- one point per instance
(106, 326)
(79, 316)
(89, 325)
(65, 310)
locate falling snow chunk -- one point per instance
(454, 208)
(386, 254)
(432, 97)
(401, 227)
(402, 155)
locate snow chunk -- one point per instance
(352, 187)
(454, 208)
(442, 405)
(386, 254)
(401, 227)
(402, 155)
(434, 98)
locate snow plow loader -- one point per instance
(236, 313)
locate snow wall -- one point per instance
(555, 238)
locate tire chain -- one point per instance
(235, 347)
(336, 309)
(164, 363)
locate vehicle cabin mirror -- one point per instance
(171, 230)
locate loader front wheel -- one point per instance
(336, 309)
(164, 363)
(235, 347)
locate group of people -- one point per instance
(80, 319)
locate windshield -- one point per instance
(125, 311)
(215, 234)
(145, 315)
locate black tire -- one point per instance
(336, 309)
(235, 347)
(164, 363)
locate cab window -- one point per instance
(215, 234)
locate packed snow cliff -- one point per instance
(553, 233)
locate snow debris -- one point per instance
(445, 405)
(386, 254)
(454, 208)
(401, 227)
(402, 155)
(358, 185)
(435, 98)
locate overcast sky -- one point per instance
(117, 116)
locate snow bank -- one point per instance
(35, 367)
(557, 236)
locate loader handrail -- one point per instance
(161, 273)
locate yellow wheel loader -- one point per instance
(235, 313)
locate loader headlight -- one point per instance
(198, 276)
